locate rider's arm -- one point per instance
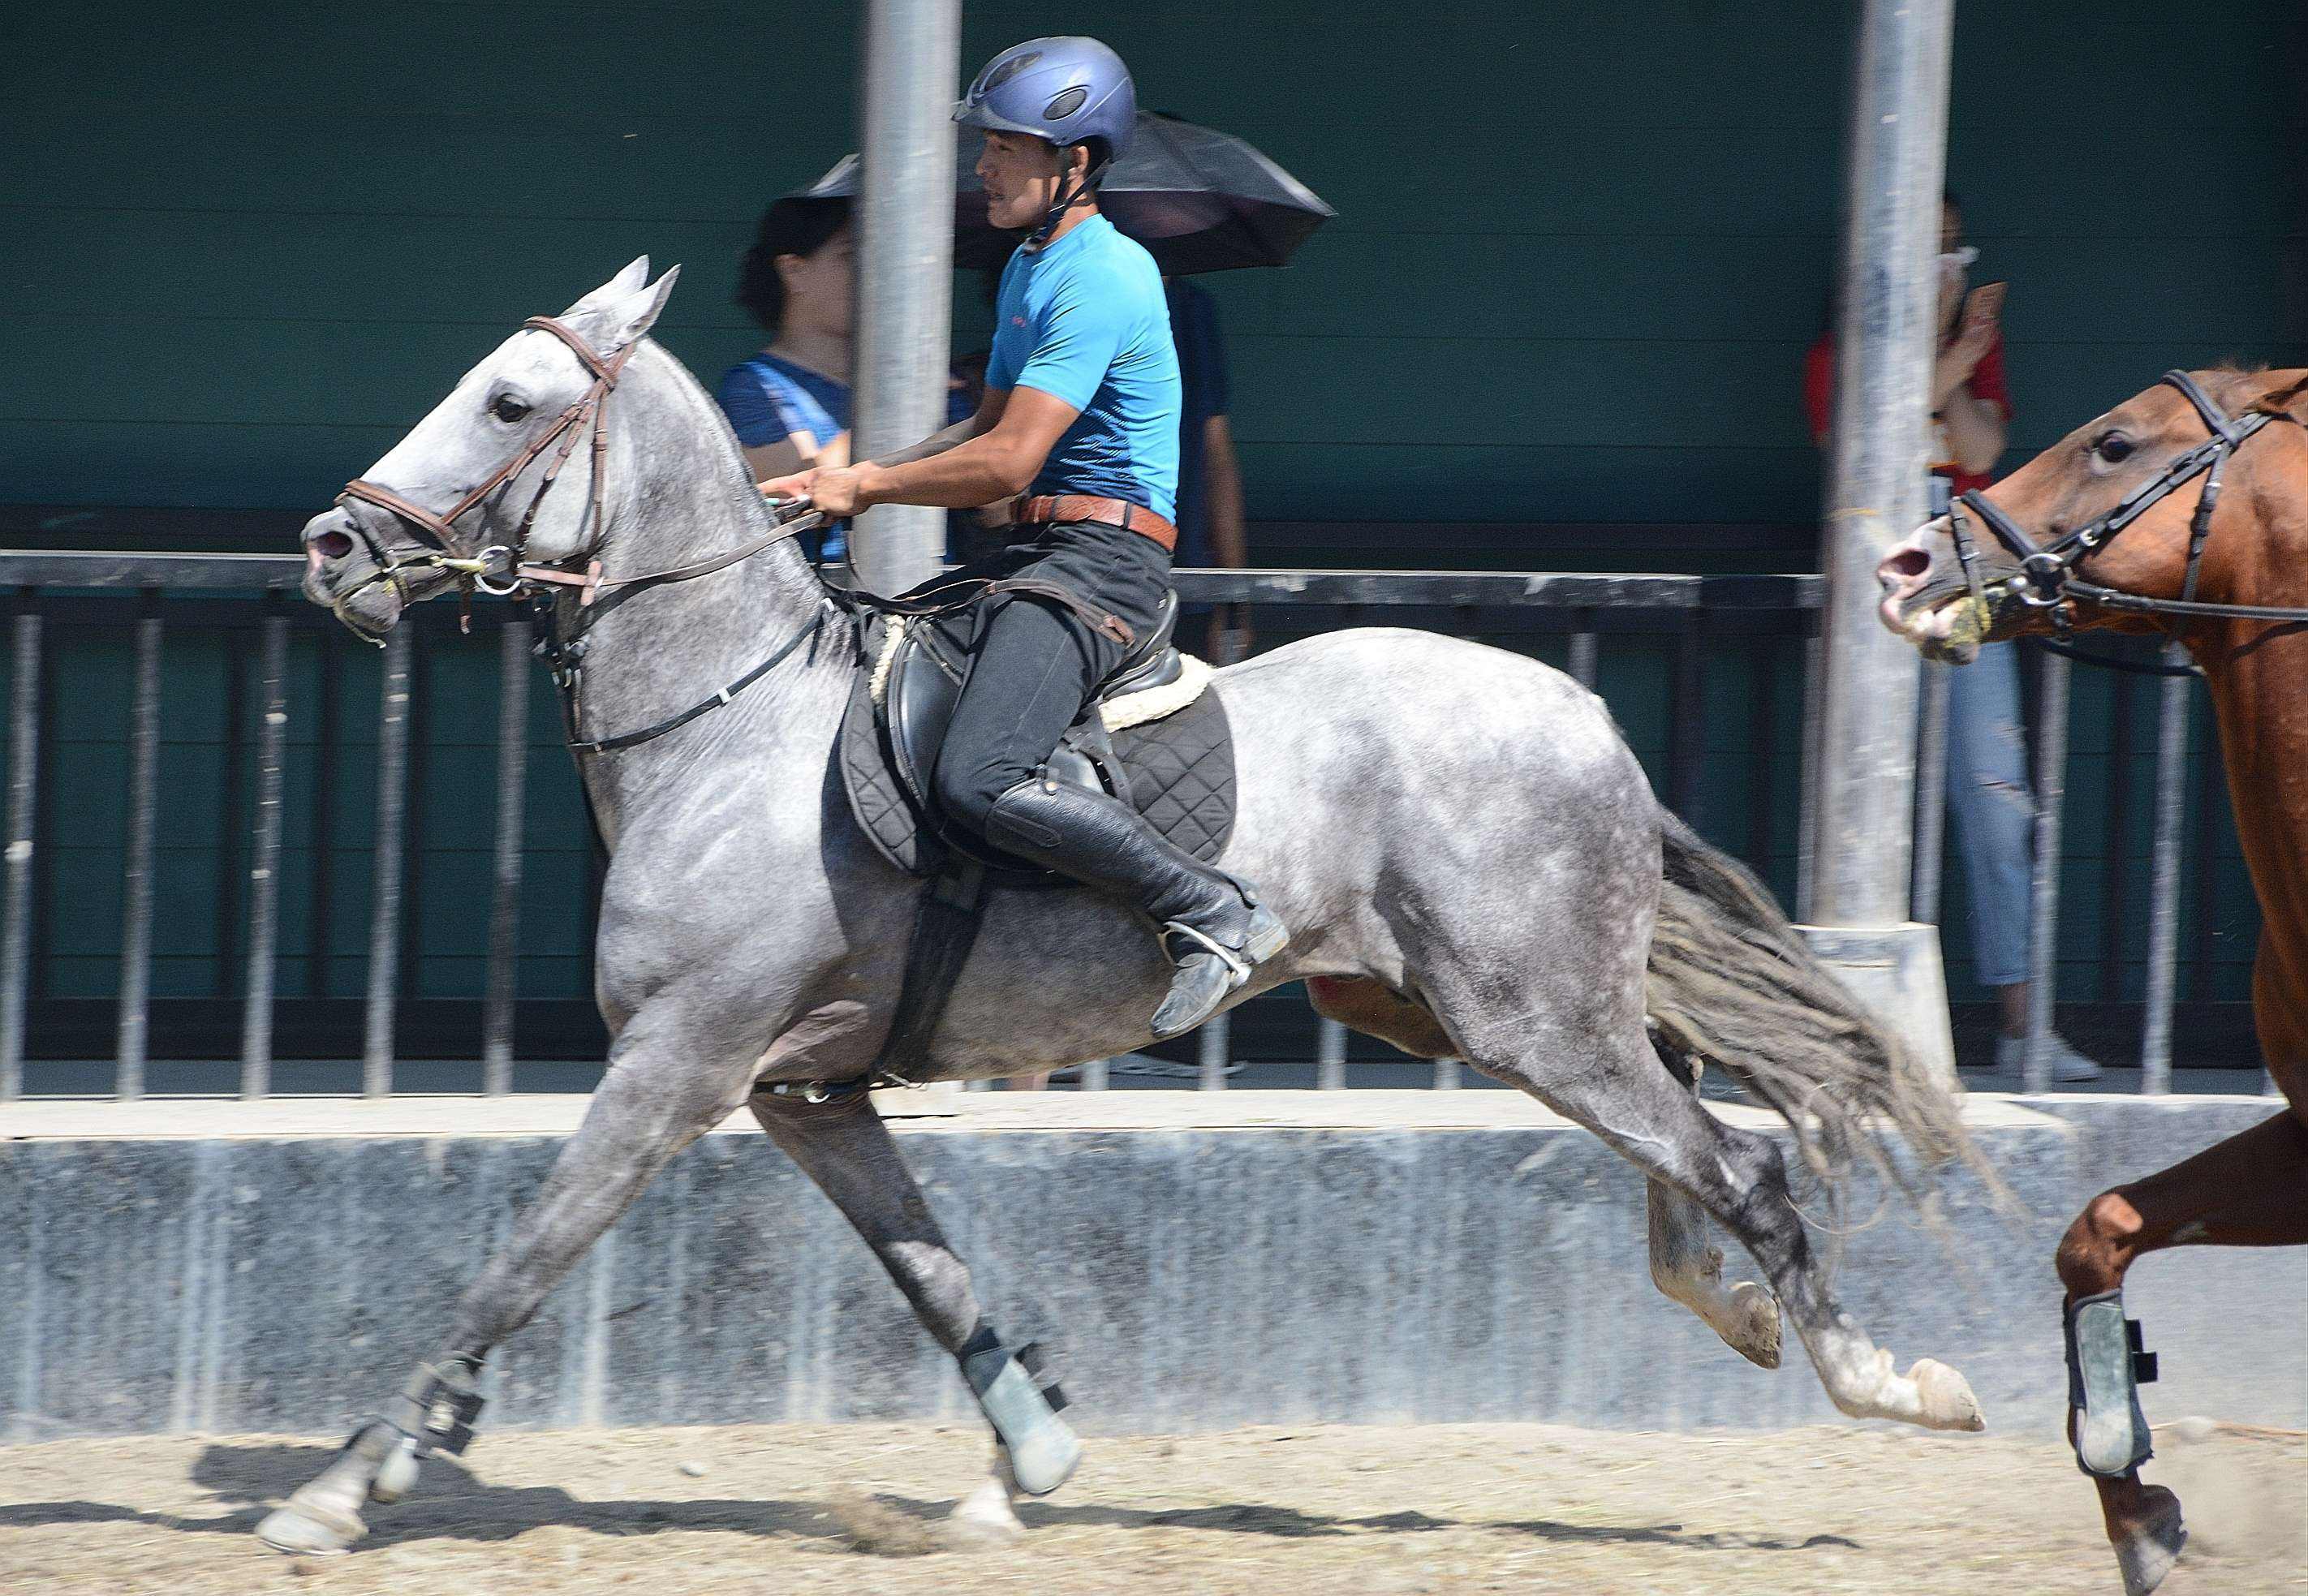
(1000, 450)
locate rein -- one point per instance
(2048, 578)
(503, 570)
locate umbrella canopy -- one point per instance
(1199, 201)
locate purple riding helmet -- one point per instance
(1068, 90)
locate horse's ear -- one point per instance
(2283, 397)
(621, 286)
(627, 321)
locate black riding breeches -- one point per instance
(1036, 662)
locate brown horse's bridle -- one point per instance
(2048, 579)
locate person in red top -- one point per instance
(1971, 412)
(1987, 789)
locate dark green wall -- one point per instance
(1579, 248)
(1579, 251)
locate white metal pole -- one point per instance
(905, 264)
(1863, 777)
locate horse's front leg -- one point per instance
(2249, 1190)
(845, 1147)
(658, 1097)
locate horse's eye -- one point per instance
(508, 408)
(2112, 447)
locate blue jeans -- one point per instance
(1993, 808)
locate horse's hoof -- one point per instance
(2146, 1554)
(310, 1529)
(1046, 1459)
(1755, 1334)
(1945, 1398)
(396, 1476)
(985, 1514)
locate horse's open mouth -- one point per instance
(1943, 622)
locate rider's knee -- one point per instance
(2094, 1252)
(966, 791)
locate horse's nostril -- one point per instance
(1907, 564)
(333, 546)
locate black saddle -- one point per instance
(1178, 771)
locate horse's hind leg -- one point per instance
(845, 1148)
(1604, 1075)
(1689, 1270)
(2249, 1190)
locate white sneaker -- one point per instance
(2067, 1065)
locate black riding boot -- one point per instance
(1214, 929)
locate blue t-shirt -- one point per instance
(768, 401)
(1202, 371)
(1083, 320)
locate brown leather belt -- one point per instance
(1113, 512)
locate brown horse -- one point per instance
(2191, 496)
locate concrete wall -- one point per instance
(1197, 1260)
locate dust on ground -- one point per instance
(857, 1509)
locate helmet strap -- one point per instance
(1069, 196)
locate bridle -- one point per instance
(504, 570)
(2047, 579)
(504, 574)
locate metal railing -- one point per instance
(1580, 608)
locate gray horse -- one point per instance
(1468, 854)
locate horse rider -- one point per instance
(1080, 413)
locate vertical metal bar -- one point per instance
(2211, 800)
(227, 906)
(1446, 1075)
(514, 670)
(1330, 1056)
(1686, 722)
(1931, 795)
(2116, 869)
(328, 721)
(136, 881)
(905, 254)
(1807, 804)
(1093, 1075)
(16, 908)
(264, 865)
(1762, 759)
(416, 745)
(385, 900)
(1211, 1042)
(1583, 649)
(2044, 897)
(2164, 881)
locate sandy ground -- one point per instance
(857, 1509)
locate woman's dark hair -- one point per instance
(789, 228)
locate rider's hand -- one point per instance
(837, 490)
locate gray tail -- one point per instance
(1731, 983)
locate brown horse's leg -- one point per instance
(2249, 1190)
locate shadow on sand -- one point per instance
(248, 1479)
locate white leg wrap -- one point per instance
(2105, 1370)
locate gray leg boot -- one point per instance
(1214, 929)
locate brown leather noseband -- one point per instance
(500, 568)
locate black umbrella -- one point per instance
(1199, 201)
